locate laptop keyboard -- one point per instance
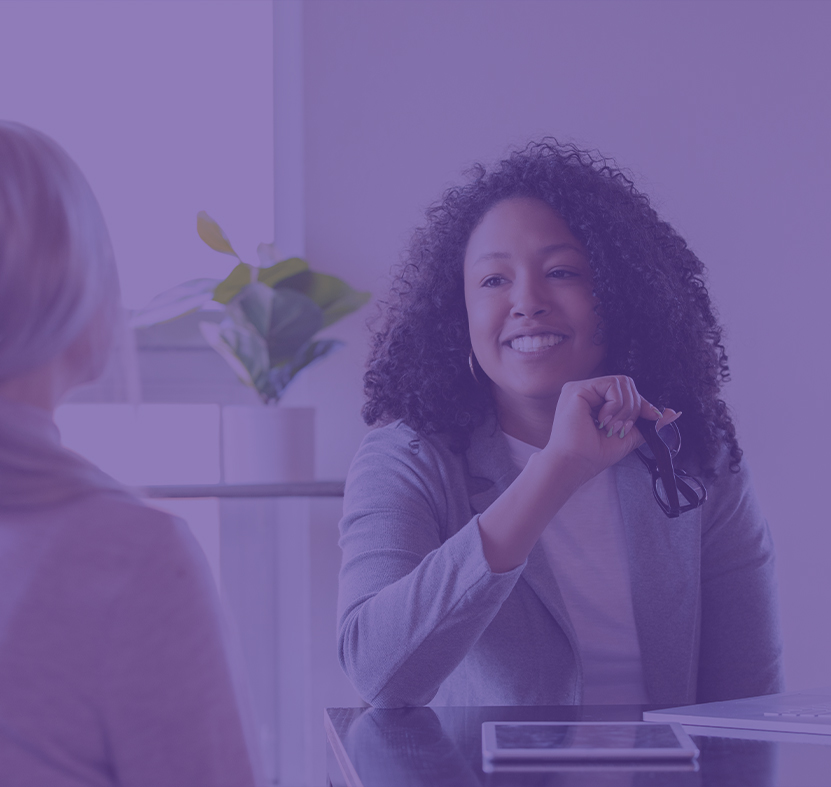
(802, 713)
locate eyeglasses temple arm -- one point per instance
(663, 460)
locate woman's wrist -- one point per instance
(571, 470)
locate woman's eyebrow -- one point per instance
(492, 255)
(555, 247)
(545, 250)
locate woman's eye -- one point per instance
(492, 281)
(561, 273)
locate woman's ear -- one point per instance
(86, 357)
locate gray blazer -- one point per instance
(422, 619)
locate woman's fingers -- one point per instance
(629, 409)
(667, 417)
(650, 412)
(621, 405)
(614, 404)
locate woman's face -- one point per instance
(530, 308)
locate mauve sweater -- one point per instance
(114, 666)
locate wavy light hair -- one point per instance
(57, 270)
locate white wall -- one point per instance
(721, 111)
(166, 107)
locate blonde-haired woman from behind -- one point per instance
(114, 668)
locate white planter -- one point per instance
(265, 444)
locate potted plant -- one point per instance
(270, 316)
(272, 312)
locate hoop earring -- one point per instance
(472, 368)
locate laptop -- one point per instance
(803, 711)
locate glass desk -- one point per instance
(441, 747)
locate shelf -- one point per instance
(297, 489)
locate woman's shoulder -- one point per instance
(124, 510)
(395, 460)
(731, 496)
(397, 441)
(724, 473)
(111, 528)
(97, 552)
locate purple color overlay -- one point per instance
(719, 109)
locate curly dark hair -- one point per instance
(656, 317)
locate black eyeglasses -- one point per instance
(667, 481)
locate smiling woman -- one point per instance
(501, 544)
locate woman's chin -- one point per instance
(531, 395)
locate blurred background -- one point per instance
(329, 126)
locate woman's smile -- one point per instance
(536, 343)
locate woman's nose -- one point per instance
(529, 300)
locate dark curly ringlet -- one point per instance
(656, 316)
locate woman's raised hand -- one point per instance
(577, 450)
(594, 425)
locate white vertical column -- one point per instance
(248, 556)
(289, 148)
(296, 722)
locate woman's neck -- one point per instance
(531, 423)
(42, 387)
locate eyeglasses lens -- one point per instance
(671, 438)
(691, 495)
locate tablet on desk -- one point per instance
(584, 741)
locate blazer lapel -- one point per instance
(491, 472)
(540, 577)
(664, 566)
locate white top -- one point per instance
(114, 668)
(586, 548)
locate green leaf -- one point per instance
(282, 270)
(212, 234)
(284, 319)
(231, 285)
(333, 295)
(175, 302)
(251, 309)
(244, 351)
(213, 336)
(308, 354)
(294, 320)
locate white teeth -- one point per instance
(529, 344)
